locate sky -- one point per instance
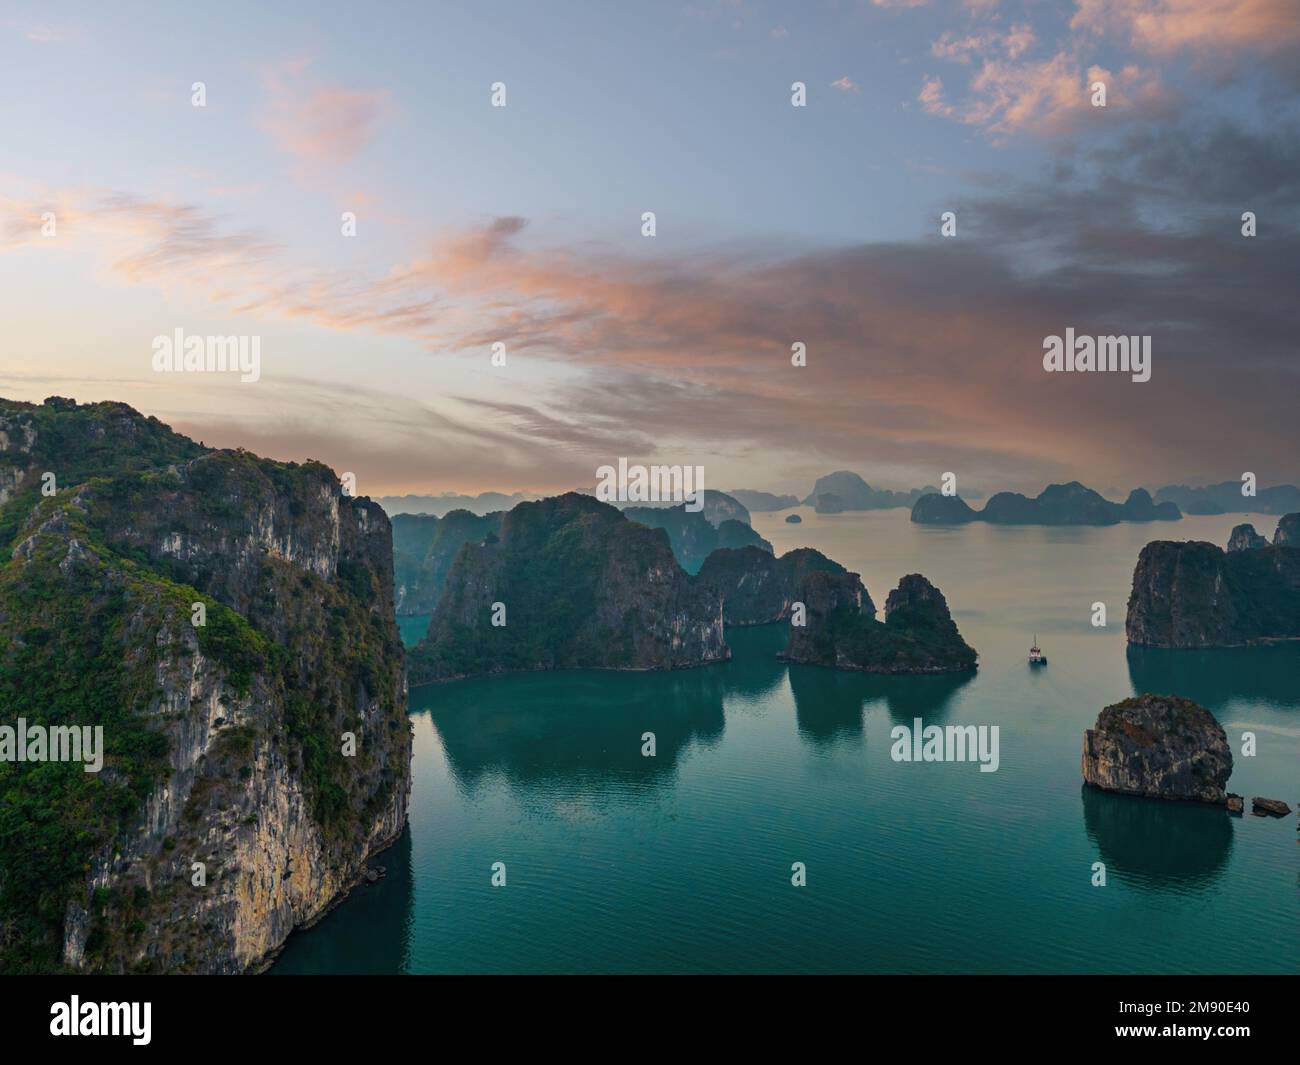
(522, 225)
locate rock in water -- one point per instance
(918, 634)
(942, 510)
(1245, 538)
(1158, 746)
(1235, 804)
(1269, 807)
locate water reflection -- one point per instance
(1161, 844)
(828, 703)
(1215, 678)
(580, 728)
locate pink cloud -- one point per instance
(320, 123)
(1162, 27)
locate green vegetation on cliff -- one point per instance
(98, 588)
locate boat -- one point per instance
(1036, 656)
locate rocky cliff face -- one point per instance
(918, 634)
(692, 535)
(425, 546)
(228, 621)
(1159, 746)
(1287, 533)
(579, 586)
(1245, 538)
(1194, 594)
(757, 588)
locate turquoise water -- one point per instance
(682, 862)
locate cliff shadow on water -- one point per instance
(1214, 678)
(1157, 843)
(586, 726)
(369, 933)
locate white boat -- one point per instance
(1036, 656)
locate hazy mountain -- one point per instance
(851, 492)
(763, 502)
(1226, 498)
(483, 503)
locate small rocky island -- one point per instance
(1195, 594)
(1161, 747)
(918, 634)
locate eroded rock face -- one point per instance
(693, 535)
(1194, 594)
(756, 588)
(1245, 538)
(1161, 747)
(425, 546)
(607, 593)
(223, 734)
(1287, 533)
(918, 634)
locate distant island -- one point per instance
(570, 582)
(1057, 504)
(763, 502)
(1226, 498)
(1196, 594)
(441, 505)
(843, 490)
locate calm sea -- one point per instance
(682, 863)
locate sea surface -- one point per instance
(615, 862)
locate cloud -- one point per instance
(845, 84)
(1163, 27)
(318, 123)
(922, 356)
(1049, 97)
(1013, 44)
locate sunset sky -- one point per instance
(775, 224)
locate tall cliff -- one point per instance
(425, 546)
(228, 621)
(1195, 594)
(756, 588)
(693, 535)
(569, 583)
